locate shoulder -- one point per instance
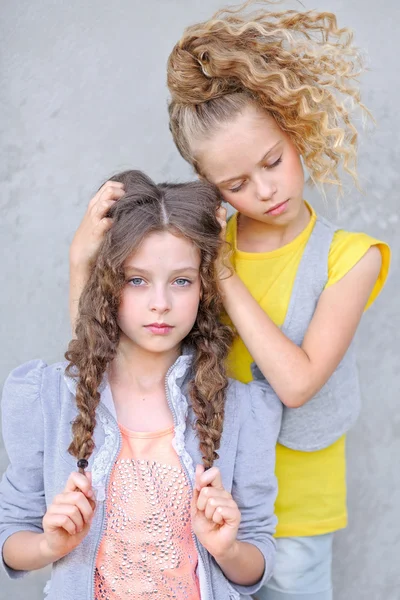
(28, 383)
(349, 249)
(25, 380)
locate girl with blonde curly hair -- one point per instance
(253, 96)
(146, 391)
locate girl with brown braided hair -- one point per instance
(147, 394)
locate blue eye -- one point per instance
(137, 281)
(182, 282)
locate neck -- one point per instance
(139, 368)
(256, 236)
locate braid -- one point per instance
(97, 336)
(211, 341)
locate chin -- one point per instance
(160, 347)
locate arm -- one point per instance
(87, 240)
(23, 551)
(327, 339)
(237, 529)
(32, 536)
(22, 499)
(244, 565)
(65, 524)
(216, 519)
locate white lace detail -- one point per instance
(102, 462)
(180, 406)
(46, 589)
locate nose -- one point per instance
(159, 301)
(265, 187)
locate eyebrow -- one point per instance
(259, 162)
(132, 269)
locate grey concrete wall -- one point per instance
(83, 94)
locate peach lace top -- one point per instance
(147, 550)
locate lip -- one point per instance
(159, 328)
(278, 209)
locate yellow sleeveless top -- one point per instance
(311, 485)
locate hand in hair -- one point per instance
(90, 232)
(224, 266)
(68, 519)
(88, 238)
(215, 514)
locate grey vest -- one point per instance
(335, 408)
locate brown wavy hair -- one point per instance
(298, 66)
(186, 210)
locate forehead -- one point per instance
(166, 250)
(238, 145)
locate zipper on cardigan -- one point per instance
(103, 526)
(103, 508)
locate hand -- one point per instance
(215, 514)
(90, 232)
(224, 266)
(67, 520)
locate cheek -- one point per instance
(237, 201)
(128, 309)
(294, 169)
(189, 305)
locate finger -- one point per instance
(193, 508)
(221, 213)
(59, 521)
(213, 504)
(110, 182)
(72, 512)
(103, 225)
(207, 493)
(78, 481)
(221, 216)
(199, 471)
(109, 187)
(78, 499)
(110, 192)
(101, 208)
(211, 477)
(227, 515)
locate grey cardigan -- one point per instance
(335, 407)
(37, 409)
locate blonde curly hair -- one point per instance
(298, 66)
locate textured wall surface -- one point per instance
(83, 94)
